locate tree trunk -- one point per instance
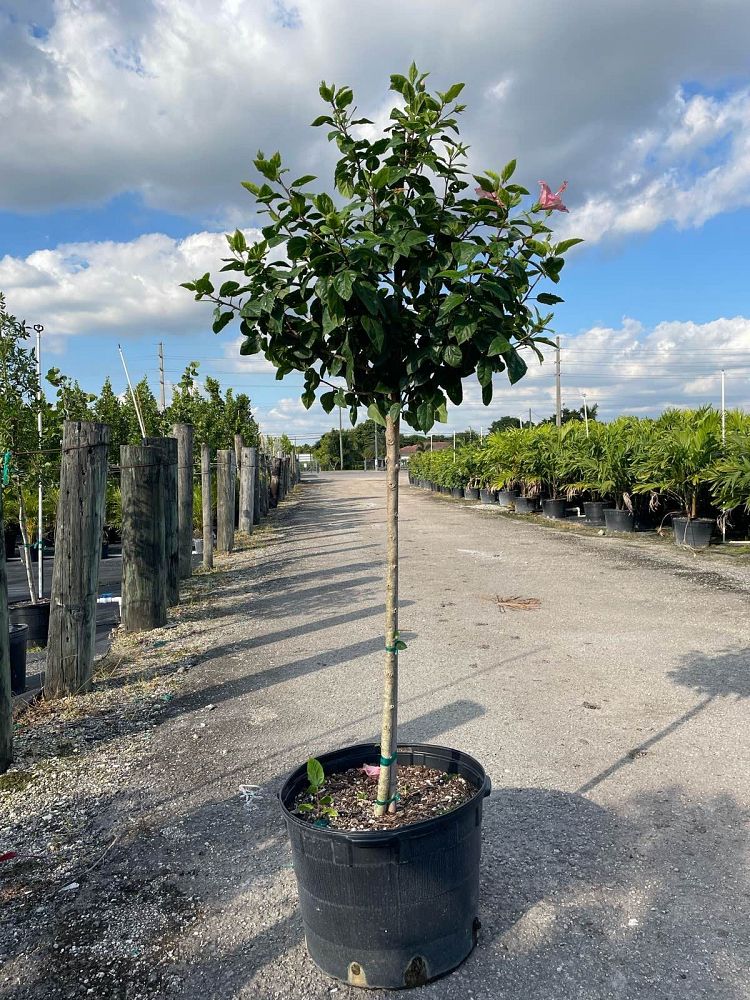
(6, 700)
(78, 548)
(247, 483)
(26, 549)
(389, 724)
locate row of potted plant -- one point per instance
(683, 464)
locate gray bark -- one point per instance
(184, 435)
(144, 596)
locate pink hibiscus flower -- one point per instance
(552, 202)
(488, 194)
(371, 770)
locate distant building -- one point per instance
(411, 449)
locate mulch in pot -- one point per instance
(424, 794)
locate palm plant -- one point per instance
(607, 468)
(679, 457)
(503, 455)
(730, 481)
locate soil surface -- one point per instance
(151, 859)
(423, 793)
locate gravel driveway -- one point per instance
(613, 721)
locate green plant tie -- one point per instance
(387, 802)
(6, 468)
(392, 649)
(387, 761)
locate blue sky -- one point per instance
(128, 127)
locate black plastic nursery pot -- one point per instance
(487, 496)
(594, 511)
(618, 520)
(471, 494)
(18, 641)
(457, 493)
(506, 498)
(388, 909)
(36, 616)
(554, 509)
(695, 531)
(524, 505)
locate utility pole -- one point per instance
(341, 440)
(558, 389)
(529, 416)
(161, 377)
(454, 444)
(585, 413)
(38, 328)
(376, 447)
(723, 410)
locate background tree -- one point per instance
(504, 424)
(402, 287)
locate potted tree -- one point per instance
(504, 451)
(678, 462)
(607, 471)
(387, 295)
(20, 400)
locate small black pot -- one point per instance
(594, 511)
(487, 496)
(457, 493)
(471, 494)
(390, 908)
(695, 531)
(554, 509)
(36, 616)
(524, 505)
(18, 641)
(618, 520)
(506, 498)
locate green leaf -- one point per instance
(453, 356)
(517, 367)
(547, 299)
(228, 289)
(343, 282)
(252, 188)
(368, 297)
(373, 412)
(499, 345)
(441, 413)
(374, 331)
(463, 332)
(487, 394)
(303, 180)
(344, 98)
(484, 373)
(296, 247)
(425, 416)
(400, 644)
(322, 120)
(315, 773)
(508, 170)
(328, 400)
(250, 345)
(450, 302)
(325, 91)
(452, 92)
(566, 245)
(221, 320)
(305, 807)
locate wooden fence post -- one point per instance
(78, 548)
(144, 597)
(256, 487)
(6, 699)
(263, 484)
(275, 475)
(184, 435)
(239, 444)
(168, 448)
(247, 482)
(208, 527)
(225, 488)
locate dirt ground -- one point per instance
(613, 721)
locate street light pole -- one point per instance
(585, 413)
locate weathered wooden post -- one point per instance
(6, 699)
(247, 483)
(225, 487)
(184, 435)
(275, 476)
(256, 486)
(239, 444)
(78, 548)
(168, 448)
(266, 484)
(208, 527)
(144, 595)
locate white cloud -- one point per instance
(172, 99)
(114, 288)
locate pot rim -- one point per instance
(15, 629)
(379, 838)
